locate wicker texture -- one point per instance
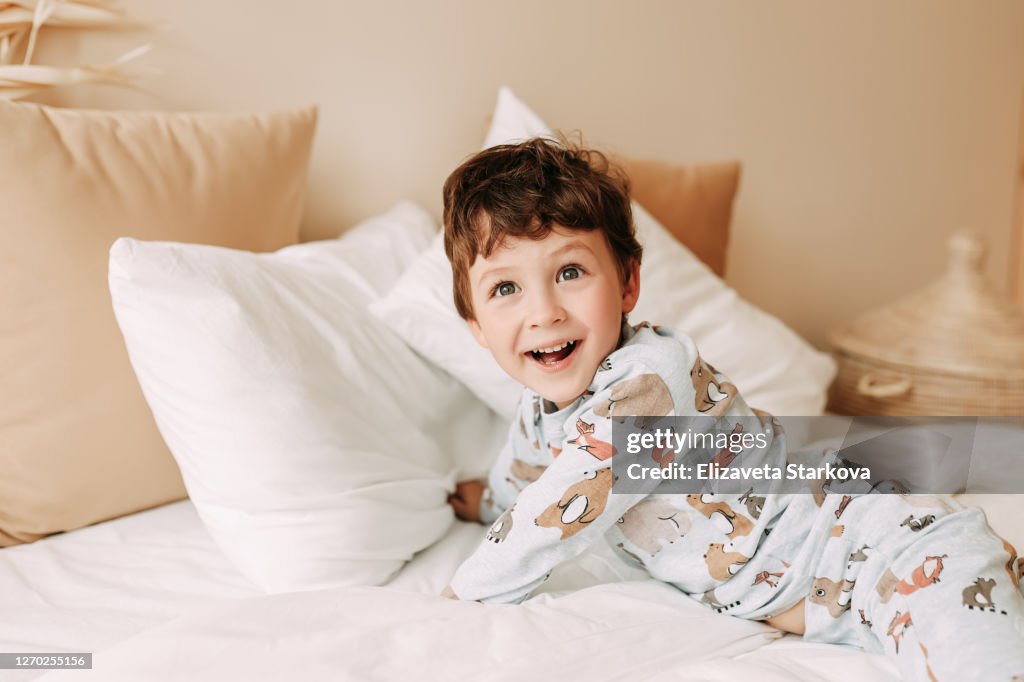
(953, 348)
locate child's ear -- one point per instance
(631, 289)
(478, 333)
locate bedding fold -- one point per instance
(629, 629)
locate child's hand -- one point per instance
(466, 500)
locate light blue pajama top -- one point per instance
(549, 493)
(869, 565)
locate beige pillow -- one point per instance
(694, 202)
(77, 441)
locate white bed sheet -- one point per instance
(88, 589)
(147, 589)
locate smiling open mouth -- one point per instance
(549, 356)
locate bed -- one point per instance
(253, 365)
(154, 598)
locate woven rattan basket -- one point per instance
(954, 348)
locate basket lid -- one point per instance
(957, 325)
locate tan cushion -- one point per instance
(694, 202)
(77, 441)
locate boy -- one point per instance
(546, 265)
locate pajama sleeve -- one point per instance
(501, 489)
(571, 505)
(553, 519)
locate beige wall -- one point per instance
(869, 129)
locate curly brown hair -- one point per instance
(524, 190)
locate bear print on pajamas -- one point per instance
(580, 505)
(653, 522)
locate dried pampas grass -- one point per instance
(21, 22)
(20, 80)
(65, 13)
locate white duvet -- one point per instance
(597, 619)
(600, 632)
(154, 599)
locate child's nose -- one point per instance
(546, 309)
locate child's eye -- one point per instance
(504, 289)
(570, 272)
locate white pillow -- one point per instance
(315, 445)
(513, 121)
(773, 367)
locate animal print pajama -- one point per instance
(869, 565)
(919, 577)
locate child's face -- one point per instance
(562, 289)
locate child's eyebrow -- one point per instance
(489, 273)
(574, 245)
